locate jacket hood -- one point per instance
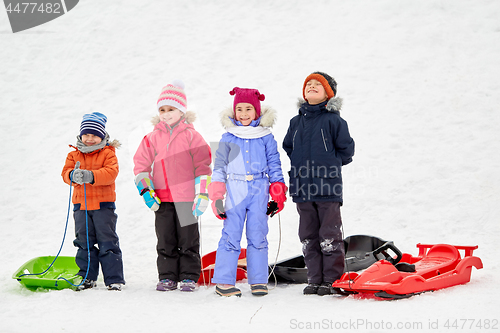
(334, 104)
(190, 117)
(115, 143)
(267, 117)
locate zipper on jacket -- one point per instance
(324, 141)
(293, 140)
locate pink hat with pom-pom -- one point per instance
(251, 96)
(173, 95)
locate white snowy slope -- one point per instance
(420, 82)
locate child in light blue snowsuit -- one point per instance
(248, 166)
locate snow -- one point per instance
(420, 83)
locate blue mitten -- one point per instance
(201, 199)
(147, 191)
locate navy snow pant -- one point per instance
(102, 232)
(178, 244)
(320, 231)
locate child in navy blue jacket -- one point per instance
(318, 144)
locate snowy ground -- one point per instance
(420, 83)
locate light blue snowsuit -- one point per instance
(246, 152)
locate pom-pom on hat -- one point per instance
(173, 95)
(327, 82)
(94, 123)
(251, 96)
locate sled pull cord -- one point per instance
(277, 254)
(86, 232)
(64, 236)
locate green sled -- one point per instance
(64, 267)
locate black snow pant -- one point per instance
(101, 225)
(178, 244)
(320, 231)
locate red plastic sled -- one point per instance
(208, 264)
(440, 267)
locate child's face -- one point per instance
(91, 139)
(245, 113)
(169, 114)
(315, 92)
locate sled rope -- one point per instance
(277, 254)
(64, 237)
(86, 233)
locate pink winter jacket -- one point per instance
(179, 156)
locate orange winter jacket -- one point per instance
(104, 165)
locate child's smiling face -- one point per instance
(169, 114)
(90, 139)
(244, 113)
(314, 92)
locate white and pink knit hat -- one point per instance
(173, 95)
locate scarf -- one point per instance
(88, 149)
(249, 132)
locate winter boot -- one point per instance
(326, 289)
(166, 285)
(227, 291)
(259, 289)
(187, 285)
(311, 289)
(87, 284)
(115, 286)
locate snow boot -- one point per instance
(166, 285)
(187, 285)
(311, 289)
(259, 289)
(229, 291)
(326, 289)
(115, 286)
(87, 284)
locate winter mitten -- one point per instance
(216, 192)
(201, 199)
(218, 209)
(82, 176)
(277, 190)
(147, 191)
(71, 174)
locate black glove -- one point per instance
(272, 208)
(219, 206)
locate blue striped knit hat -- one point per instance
(94, 123)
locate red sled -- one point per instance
(208, 265)
(440, 267)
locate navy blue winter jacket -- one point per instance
(318, 143)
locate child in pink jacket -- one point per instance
(172, 169)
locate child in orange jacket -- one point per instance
(92, 169)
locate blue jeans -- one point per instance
(101, 232)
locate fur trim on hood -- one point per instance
(115, 143)
(334, 104)
(267, 117)
(190, 117)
